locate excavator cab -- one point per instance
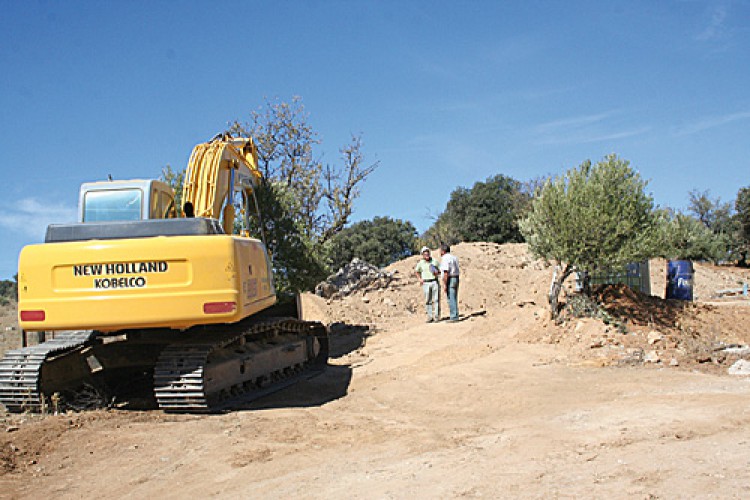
(136, 199)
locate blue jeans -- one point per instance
(452, 292)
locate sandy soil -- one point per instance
(504, 403)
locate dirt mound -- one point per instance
(637, 309)
(623, 326)
(493, 277)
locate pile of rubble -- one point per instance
(357, 275)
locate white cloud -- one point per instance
(30, 217)
(712, 122)
(716, 26)
(584, 129)
(572, 122)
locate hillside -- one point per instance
(507, 284)
(503, 403)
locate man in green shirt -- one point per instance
(428, 270)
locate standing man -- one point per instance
(428, 272)
(450, 272)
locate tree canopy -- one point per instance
(176, 180)
(489, 211)
(9, 290)
(687, 237)
(742, 217)
(713, 213)
(379, 241)
(303, 201)
(594, 217)
(729, 223)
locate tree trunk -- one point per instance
(558, 278)
(586, 288)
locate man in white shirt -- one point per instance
(449, 270)
(427, 272)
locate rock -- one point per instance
(737, 350)
(653, 337)
(357, 275)
(325, 289)
(740, 367)
(674, 362)
(651, 357)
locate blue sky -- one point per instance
(444, 93)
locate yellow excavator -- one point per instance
(132, 292)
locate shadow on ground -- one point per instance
(331, 384)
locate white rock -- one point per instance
(651, 357)
(740, 367)
(654, 337)
(739, 351)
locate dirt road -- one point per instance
(469, 409)
(438, 411)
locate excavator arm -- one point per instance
(216, 171)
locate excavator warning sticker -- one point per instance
(112, 274)
(250, 287)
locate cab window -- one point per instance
(112, 205)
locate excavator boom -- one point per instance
(217, 170)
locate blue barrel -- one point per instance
(680, 280)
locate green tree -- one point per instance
(441, 231)
(742, 218)
(714, 214)
(594, 217)
(9, 290)
(175, 179)
(296, 264)
(489, 211)
(687, 237)
(379, 241)
(304, 202)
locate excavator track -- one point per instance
(21, 369)
(209, 373)
(202, 370)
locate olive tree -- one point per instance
(593, 217)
